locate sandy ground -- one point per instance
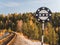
(21, 40)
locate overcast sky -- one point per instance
(21, 6)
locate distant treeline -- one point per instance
(31, 27)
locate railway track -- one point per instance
(5, 35)
(8, 40)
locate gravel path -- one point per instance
(21, 40)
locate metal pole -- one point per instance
(42, 33)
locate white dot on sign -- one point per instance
(43, 8)
(42, 21)
(48, 10)
(36, 14)
(48, 19)
(38, 10)
(49, 14)
(38, 19)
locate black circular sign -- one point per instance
(43, 14)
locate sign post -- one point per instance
(43, 15)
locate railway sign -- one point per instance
(43, 14)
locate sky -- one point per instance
(23, 6)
